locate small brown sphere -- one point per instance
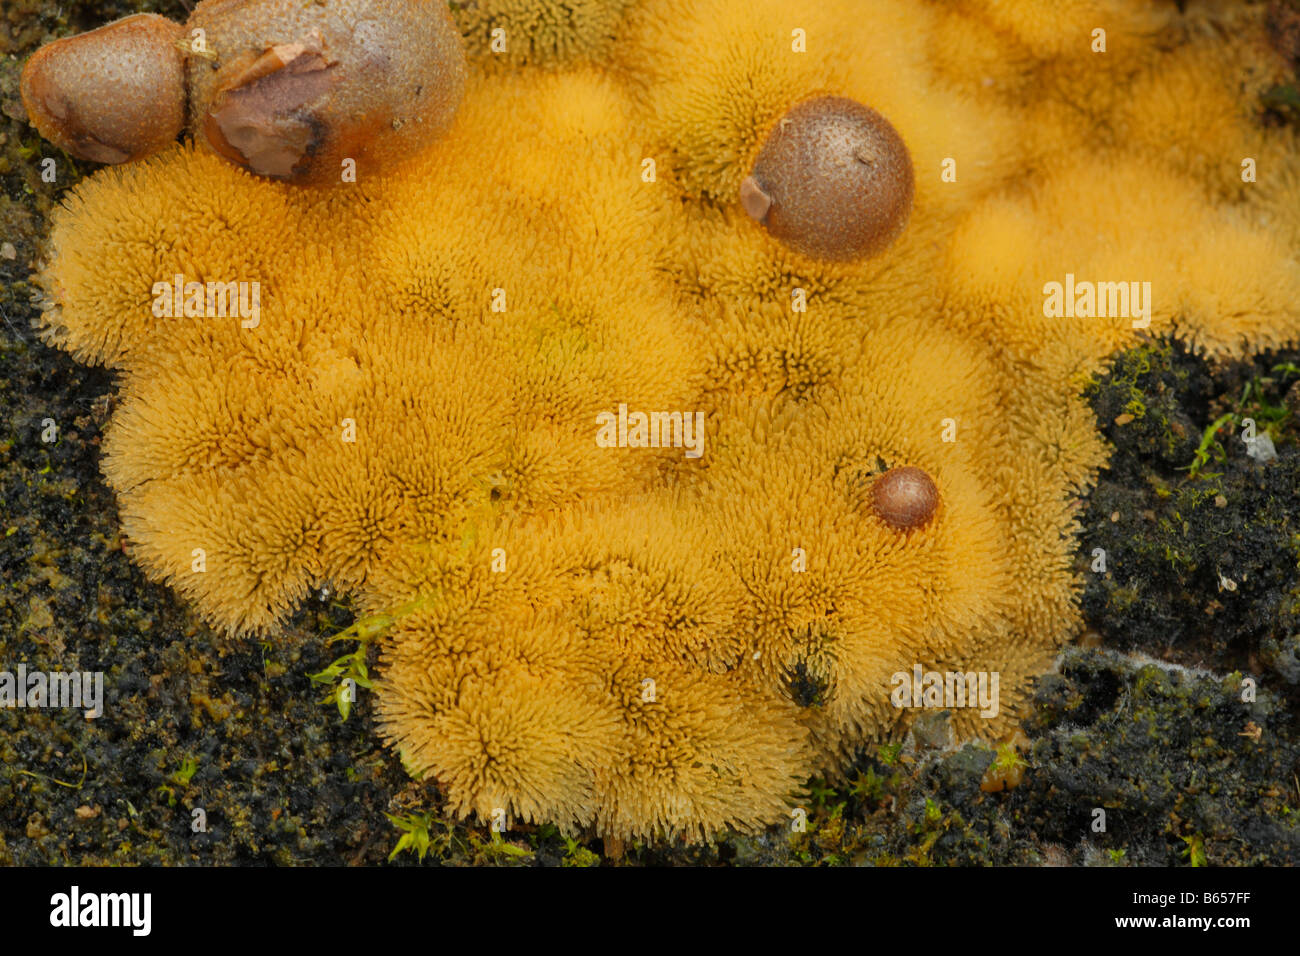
(111, 95)
(905, 498)
(833, 180)
(289, 90)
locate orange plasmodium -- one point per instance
(464, 320)
(600, 680)
(629, 636)
(839, 601)
(550, 33)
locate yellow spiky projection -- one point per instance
(512, 33)
(633, 639)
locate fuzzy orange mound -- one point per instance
(402, 375)
(636, 640)
(595, 683)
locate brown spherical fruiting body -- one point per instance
(111, 95)
(290, 90)
(905, 498)
(833, 180)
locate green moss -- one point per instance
(1195, 852)
(1199, 537)
(578, 855)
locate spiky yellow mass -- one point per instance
(512, 33)
(436, 406)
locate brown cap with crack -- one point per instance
(292, 90)
(111, 95)
(833, 180)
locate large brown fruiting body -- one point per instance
(833, 180)
(905, 498)
(290, 90)
(111, 95)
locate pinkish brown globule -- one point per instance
(833, 180)
(111, 95)
(905, 498)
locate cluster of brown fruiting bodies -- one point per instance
(291, 91)
(285, 90)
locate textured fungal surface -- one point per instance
(714, 376)
(527, 32)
